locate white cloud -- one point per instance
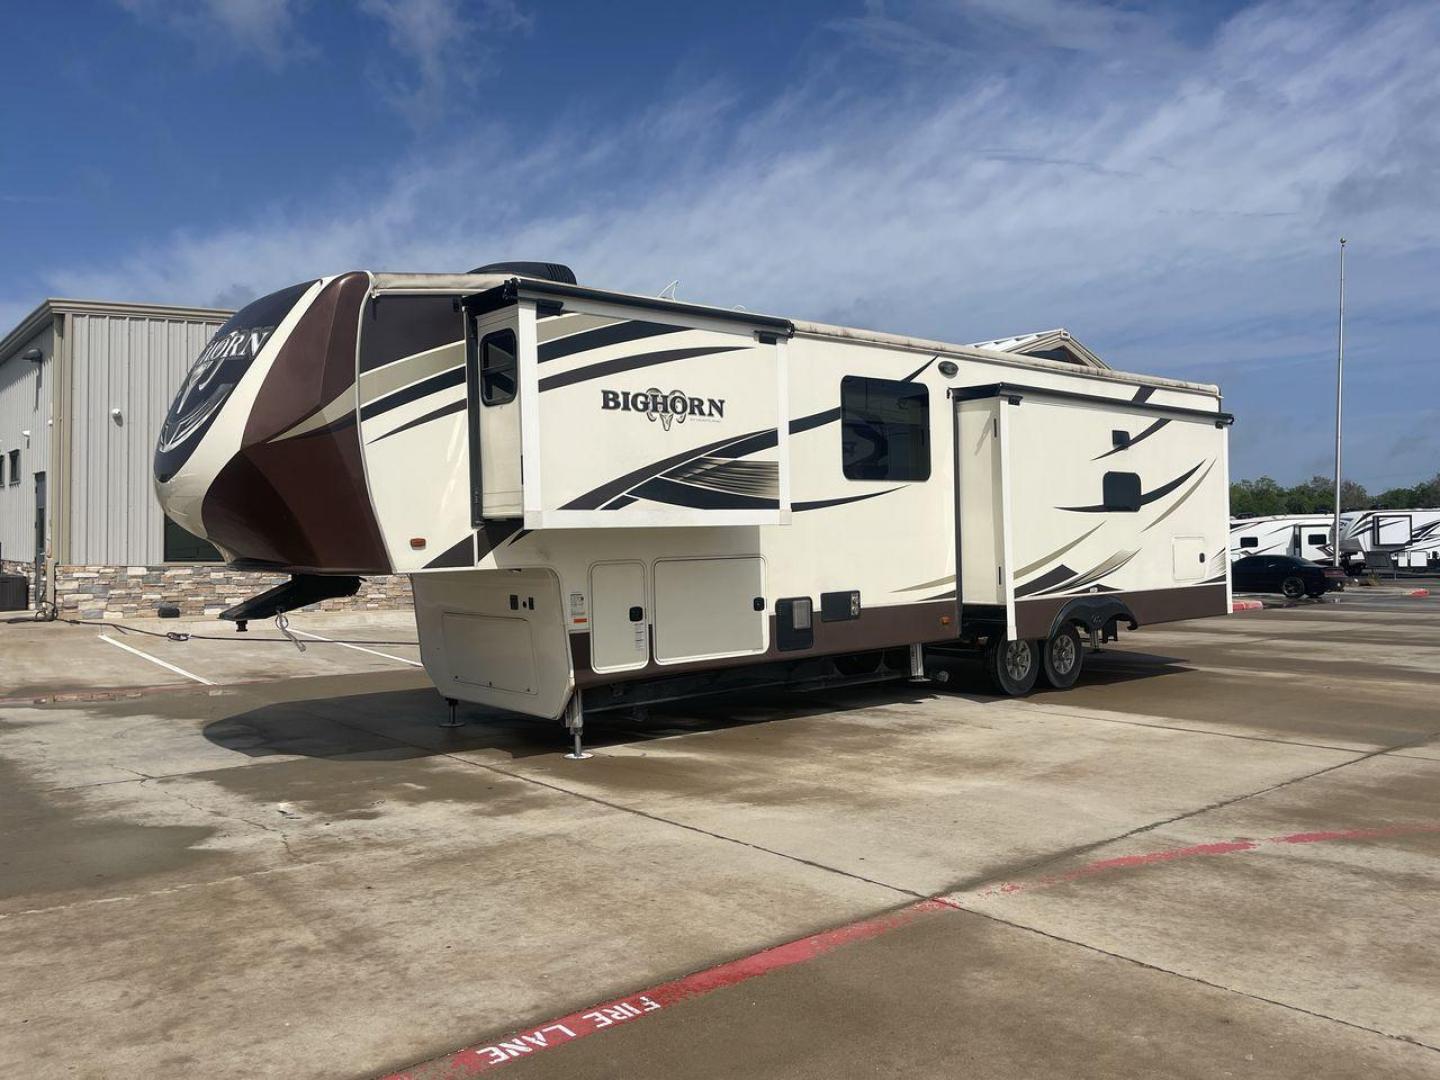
(264, 28)
(444, 45)
(1179, 217)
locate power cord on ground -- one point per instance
(49, 614)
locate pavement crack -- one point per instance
(972, 884)
(1061, 939)
(899, 890)
(284, 837)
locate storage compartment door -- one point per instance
(709, 608)
(1188, 555)
(490, 651)
(493, 352)
(619, 619)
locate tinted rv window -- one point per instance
(1316, 538)
(497, 367)
(884, 430)
(1121, 491)
(14, 467)
(1249, 541)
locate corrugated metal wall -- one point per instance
(135, 365)
(24, 406)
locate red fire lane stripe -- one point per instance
(1226, 847)
(578, 1025)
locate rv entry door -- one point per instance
(492, 386)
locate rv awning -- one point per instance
(555, 292)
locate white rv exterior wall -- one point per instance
(134, 364)
(24, 406)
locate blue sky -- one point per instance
(1168, 181)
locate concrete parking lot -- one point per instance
(1215, 856)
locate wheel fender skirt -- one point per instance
(300, 590)
(1094, 613)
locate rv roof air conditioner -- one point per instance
(545, 271)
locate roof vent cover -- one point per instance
(546, 271)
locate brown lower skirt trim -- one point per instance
(1033, 618)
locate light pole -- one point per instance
(1339, 399)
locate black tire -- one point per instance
(1013, 666)
(1062, 658)
(1293, 588)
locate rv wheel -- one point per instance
(1293, 588)
(1013, 665)
(1062, 658)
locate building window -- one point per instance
(1317, 539)
(1249, 541)
(884, 429)
(1121, 491)
(497, 368)
(14, 467)
(183, 546)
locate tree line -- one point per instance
(1256, 498)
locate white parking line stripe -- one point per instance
(156, 660)
(357, 648)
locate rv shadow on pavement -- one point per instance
(1109, 666)
(401, 724)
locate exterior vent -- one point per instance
(545, 271)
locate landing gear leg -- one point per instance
(917, 663)
(452, 721)
(1094, 640)
(575, 724)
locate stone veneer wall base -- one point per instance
(199, 589)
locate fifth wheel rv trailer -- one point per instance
(1411, 538)
(605, 499)
(1306, 536)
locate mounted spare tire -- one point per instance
(1013, 666)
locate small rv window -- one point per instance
(1249, 541)
(497, 367)
(1119, 439)
(1121, 491)
(1317, 538)
(14, 467)
(884, 429)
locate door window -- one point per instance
(497, 367)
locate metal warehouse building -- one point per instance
(84, 386)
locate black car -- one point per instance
(1285, 574)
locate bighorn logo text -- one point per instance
(209, 382)
(665, 406)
